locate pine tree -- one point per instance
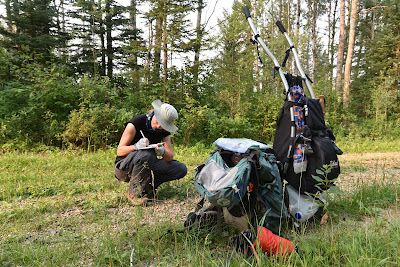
(31, 29)
(95, 49)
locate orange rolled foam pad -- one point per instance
(272, 244)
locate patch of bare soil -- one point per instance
(160, 211)
(367, 168)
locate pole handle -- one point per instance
(280, 26)
(247, 12)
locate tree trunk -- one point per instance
(165, 49)
(332, 38)
(157, 49)
(272, 17)
(373, 25)
(314, 36)
(109, 49)
(62, 16)
(15, 14)
(133, 28)
(329, 34)
(197, 47)
(298, 13)
(198, 32)
(339, 65)
(347, 70)
(148, 62)
(93, 32)
(8, 16)
(103, 50)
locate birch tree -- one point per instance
(347, 72)
(339, 63)
(314, 35)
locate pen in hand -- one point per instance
(147, 140)
(142, 134)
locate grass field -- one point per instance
(65, 208)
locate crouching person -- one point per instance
(145, 158)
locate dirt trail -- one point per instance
(366, 168)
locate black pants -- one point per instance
(138, 171)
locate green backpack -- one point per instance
(250, 180)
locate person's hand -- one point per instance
(142, 143)
(160, 150)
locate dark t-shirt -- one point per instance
(142, 123)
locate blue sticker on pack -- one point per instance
(239, 191)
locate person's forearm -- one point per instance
(125, 150)
(168, 156)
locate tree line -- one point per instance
(73, 71)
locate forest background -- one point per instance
(73, 71)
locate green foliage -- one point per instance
(35, 32)
(194, 119)
(94, 127)
(323, 182)
(42, 81)
(377, 82)
(36, 105)
(38, 108)
(96, 90)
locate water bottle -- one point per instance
(302, 207)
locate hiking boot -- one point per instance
(149, 198)
(152, 194)
(136, 200)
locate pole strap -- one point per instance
(255, 42)
(287, 56)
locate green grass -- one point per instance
(65, 208)
(362, 145)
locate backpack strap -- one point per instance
(253, 159)
(219, 215)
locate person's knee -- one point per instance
(182, 170)
(121, 175)
(145, 156)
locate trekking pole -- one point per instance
(264, 46)
(296, 58)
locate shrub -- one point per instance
(96, 126)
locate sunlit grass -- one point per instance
(65, 208)
(363, 145)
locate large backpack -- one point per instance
(242, 175)
(303, 142)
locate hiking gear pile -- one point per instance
(246, 183)
(240, 182)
